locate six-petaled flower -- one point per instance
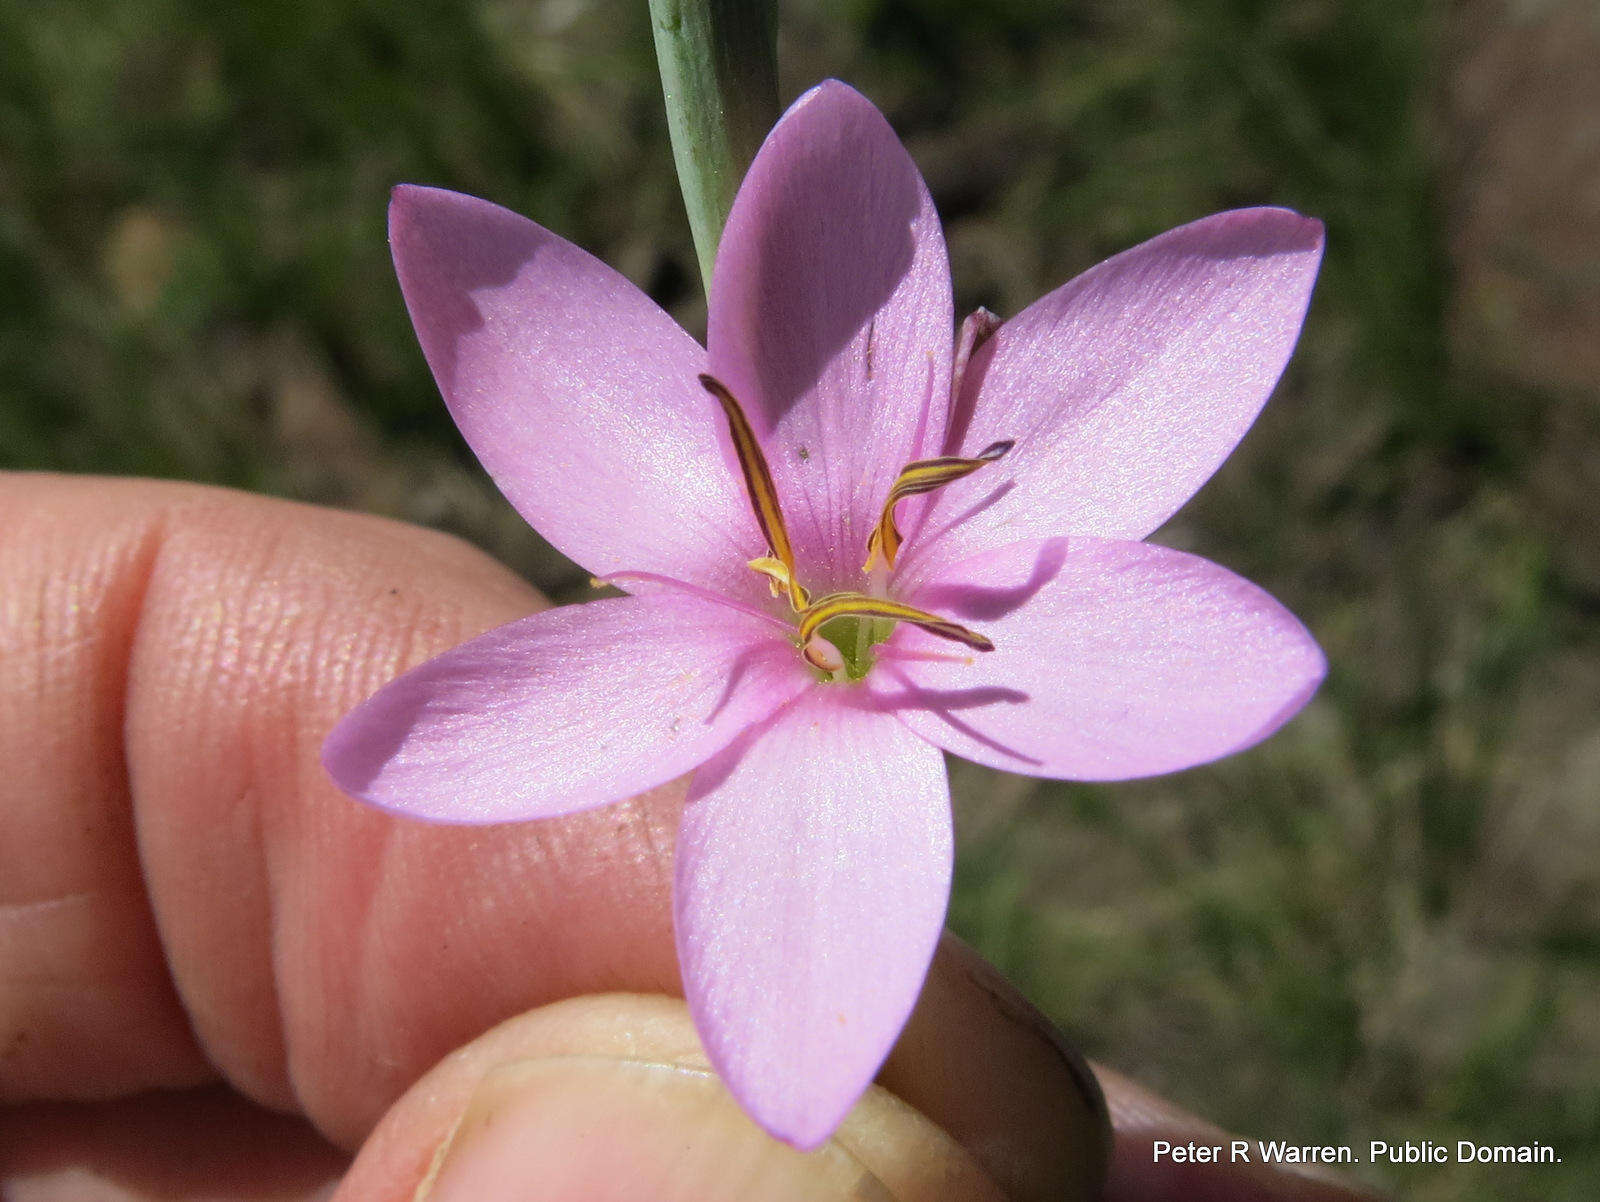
(846, 550)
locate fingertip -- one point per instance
(611, 1096)
(583, 1129)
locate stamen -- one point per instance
(625, 579)
(763, 496)
(781, 579)
(924, 475)
(843, 605)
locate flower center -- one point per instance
(837, 633)
(845, 648)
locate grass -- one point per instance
(1385, 923)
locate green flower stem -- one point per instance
(720, 76)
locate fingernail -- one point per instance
(594, 1129)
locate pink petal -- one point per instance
(577, 393)
(567, 709)
(812, 874)
(1126, 388)
(831, 321)
(1111, 660)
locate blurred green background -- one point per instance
(1382, 924)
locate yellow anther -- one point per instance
(763, 496)
(846, 605)
(922, 476)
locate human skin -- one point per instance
(221, 978)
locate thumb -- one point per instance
(610, 1096)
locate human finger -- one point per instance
(163, 1146)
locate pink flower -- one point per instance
(1021, 622)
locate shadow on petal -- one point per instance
(920, 538)
(710, 775)
(741, 669)
(944, 704)
(360, 747)
(860, 265)
(986, 603)
(447, 249)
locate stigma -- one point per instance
(836, 633)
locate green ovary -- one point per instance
(855, 637)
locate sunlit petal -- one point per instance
(1125, 388)
(813, 870)
(1111, 660)
(564, 710)
(577, 393)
